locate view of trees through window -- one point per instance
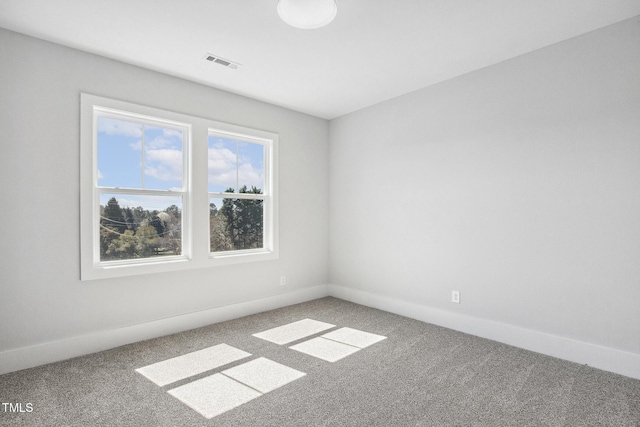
(236, 166)
(236, 224)
(129, 233)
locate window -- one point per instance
(238, 192)
(141, 165)
(162, 191)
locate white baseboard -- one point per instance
(41, 354)
(605, 358)
(600, 357)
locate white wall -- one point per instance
(518, 185)
(41, 297)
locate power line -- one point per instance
(128, 235)
(133, 222)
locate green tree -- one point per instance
(157, 223)
(107, 236)
(140, 215)
(127, 233)
(112, 224)
(113, 216)
(124, 247)
(250, 220)
(147, 241)
(174, 211)
(172, 238)
(219, 240)
(241, 221)
(129, 219)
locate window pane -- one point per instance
(119, 153)
(162, 158)
(250, 165)
(222, 164)
(133, 226)
(235, 224)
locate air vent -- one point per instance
(221, 61)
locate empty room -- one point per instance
(320, 213)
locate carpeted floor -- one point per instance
(420, 375)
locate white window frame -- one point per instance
(195, 210)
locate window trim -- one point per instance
(195, 231)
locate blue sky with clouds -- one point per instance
(234, 164)
(121, 152)
(136, 156)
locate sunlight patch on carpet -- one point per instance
(354, 337)
(190, 364)
(214, 395)
(263, 374)
(294, 331)
(325, 349)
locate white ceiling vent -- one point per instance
(221, 61)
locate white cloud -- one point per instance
(164, 164)
(248, 175)
(218, 143)
(119, 127)
(171, 133)
(158, 142)
(155, 144)
(222, 169)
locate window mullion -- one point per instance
(142, 151)
(237, 168)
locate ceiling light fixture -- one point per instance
(307, 14)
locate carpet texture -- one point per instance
(420, 375)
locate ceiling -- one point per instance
(374, 50)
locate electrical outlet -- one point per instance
(455, 297)
(283, 280)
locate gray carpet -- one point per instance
(421, 375)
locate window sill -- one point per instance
(123, 269)
(237, 257)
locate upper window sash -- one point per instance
(120, 117)
(241, 151)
